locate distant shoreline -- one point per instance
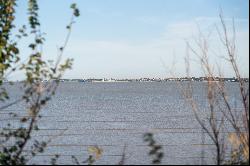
(182, 79)
(185, 79)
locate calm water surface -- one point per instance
(114, 115)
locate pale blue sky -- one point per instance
(134, 38)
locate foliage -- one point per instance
(220, 113)
(14, 149)
(95, 154)
(240, 152)
(156, 150)
(14, 141)
(8, 49)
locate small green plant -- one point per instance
(14, 141)
(155, 150)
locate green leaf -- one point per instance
(76, 13)
(73, 6)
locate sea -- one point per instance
(114, 117)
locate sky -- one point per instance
(138, 38)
